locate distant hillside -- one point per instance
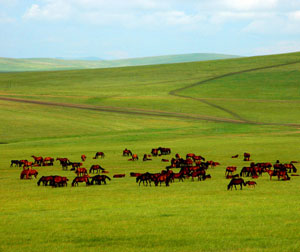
(49, 64)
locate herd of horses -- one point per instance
(192, 166)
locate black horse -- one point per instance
(236, 181)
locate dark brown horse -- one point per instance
(236, 181)
(127, 152)
(98, 179)
(99, 154)
(246, 156)
(96, 168)
(77, 180)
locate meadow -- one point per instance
(215, 109)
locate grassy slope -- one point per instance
(44, 64)
(189, 216)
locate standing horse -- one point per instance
(83, 158)
(246, 156)
(37, 160)
(45, 180)
(97, 168)
(234, 182)
(135, 157)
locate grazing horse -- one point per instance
(99, 154)
(246, 156)
(98, 179)
(230, 170)
(77, 180)
(179, 176)
(81, 172)
(145, 178)
(199, 174)
(26, 174)
(251, 183)
(45, 180)
(164, 151)
(127, 152)
(291, 167)
(59, 181)
(37, 160)
(97, 168)
(83, 157)
(279, 173)
(162, 178)
(15, 162)
(234, 182)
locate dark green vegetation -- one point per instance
(46, 64)
(141, 108)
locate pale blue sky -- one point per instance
(112, 29)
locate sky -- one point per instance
(115, 29)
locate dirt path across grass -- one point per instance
(166, 114)
(177, 91)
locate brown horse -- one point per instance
(77, 180)
(127, 152)
(246, 156)
(135, 157)
(230, 170)
(99, 154)
(26, 174)
(236, 181)
(81, 172)
(83, 157)
(37, 160)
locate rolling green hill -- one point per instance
(215, 109)
(47, 64)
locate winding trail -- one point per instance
(205, 101)
(158, 113)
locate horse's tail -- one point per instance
(73, 182)
(91, 169)
(107, 177)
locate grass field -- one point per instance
(181, 106)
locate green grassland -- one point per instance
(261, 103)
(51, 64)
